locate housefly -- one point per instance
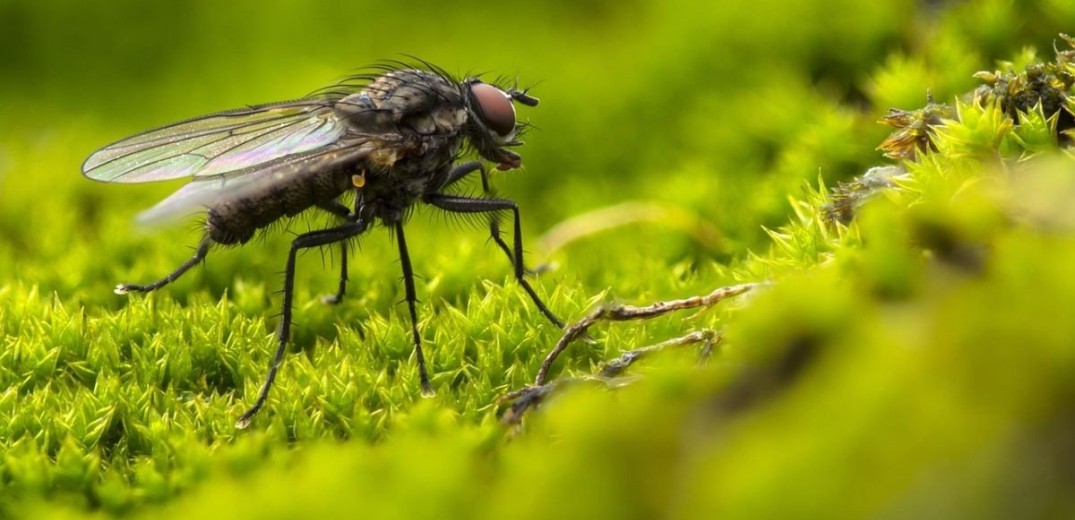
(393, 136)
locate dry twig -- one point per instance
(531, 396)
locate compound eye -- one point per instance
(495, 108)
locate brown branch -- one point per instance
(616, 366)
(529, 397)
(617, 312)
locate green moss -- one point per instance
(911, 355)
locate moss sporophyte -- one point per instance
(1026, 112)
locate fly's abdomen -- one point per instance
(235, 221)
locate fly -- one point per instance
(393, 137)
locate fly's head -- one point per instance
(491, 125)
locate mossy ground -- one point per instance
(913, 361)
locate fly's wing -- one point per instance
(204, 192)
(219, 143)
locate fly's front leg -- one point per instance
(458, 204)
(462, 170)
(304, 241)
(199, 255)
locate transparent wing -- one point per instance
(218, 143)
(205, 192)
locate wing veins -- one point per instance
(172, 139)
(256, 137)
(257, 129)
(306, 105)
(193, 153)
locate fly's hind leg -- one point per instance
(412, 299)
(335, 299)
(283, 334)
(199, 255)
(345, 214)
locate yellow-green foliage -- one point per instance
(911, 355)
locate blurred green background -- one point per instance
(711, 107)
(708, 115)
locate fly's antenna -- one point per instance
(522, 97)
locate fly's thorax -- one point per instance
(439, 121)
(410, 175)
(387, 194)
(417, 100)
(450, 120)
(412, 157)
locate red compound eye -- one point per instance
(495, 108)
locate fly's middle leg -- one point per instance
(462, 170)
(412, 299)
(283, 334)
(199, 255)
